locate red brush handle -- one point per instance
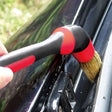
(68, 43)
(18, 65)
(85, 55)
(64, 40)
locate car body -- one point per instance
(57, 83)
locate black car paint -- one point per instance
(63, 67)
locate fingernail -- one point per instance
(9, 75)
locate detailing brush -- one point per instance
(92, 67)
(64, 40)
(85, 53)
(60, 42)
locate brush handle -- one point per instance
(57, 43)
(23, 57)
(85, 55)
(84, 50)
(64, 40)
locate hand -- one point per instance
(6, 74)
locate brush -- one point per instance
(85, 53)
(64, 40)
(57, 43)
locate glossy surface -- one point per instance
(27, 82)
(104, 87)
(33, 88)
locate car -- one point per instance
(56, 83)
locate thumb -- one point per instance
(6, 76)
(3, 50)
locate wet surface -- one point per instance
(41, 77)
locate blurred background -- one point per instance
(15, 13)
